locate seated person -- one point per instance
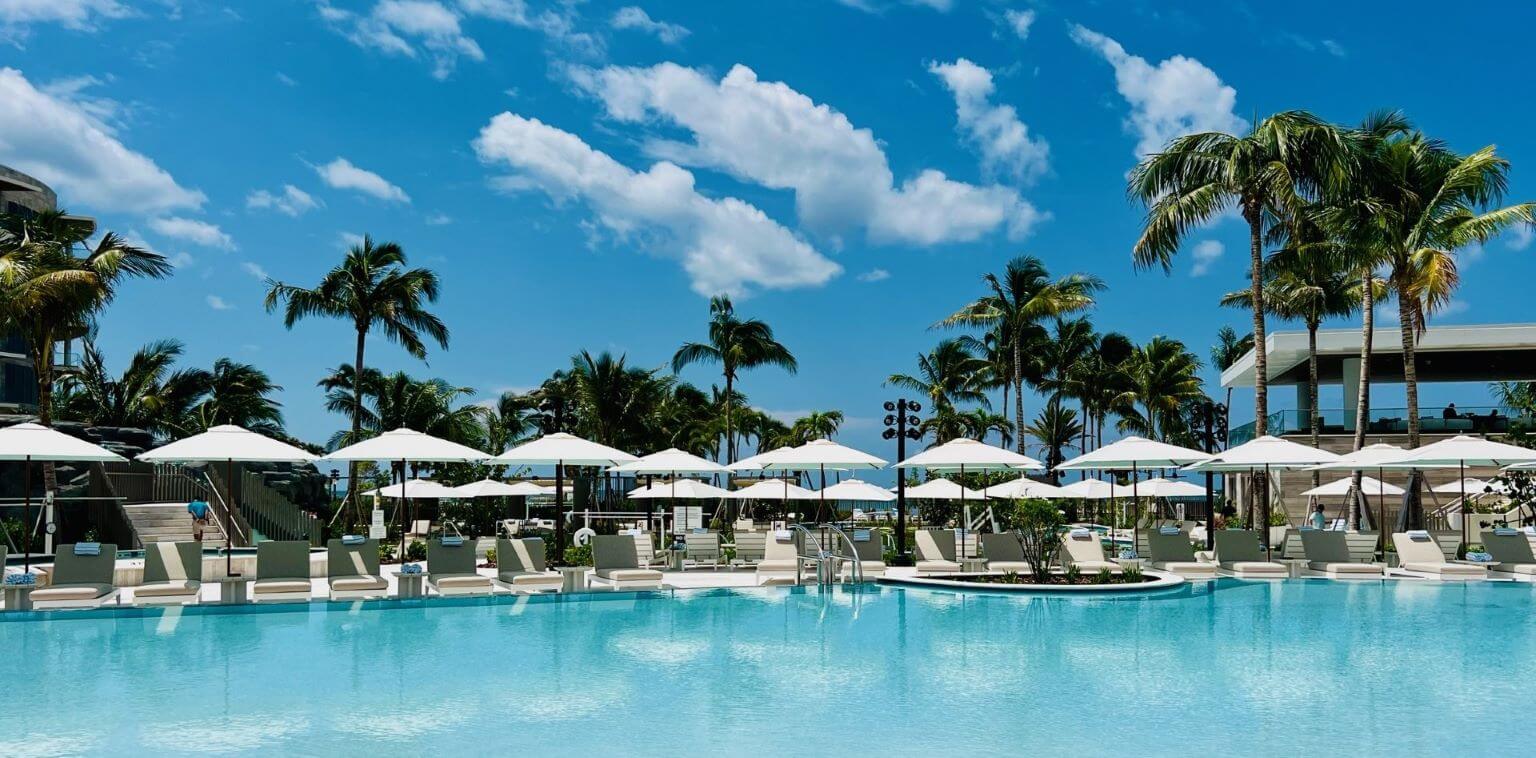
(1450, 412)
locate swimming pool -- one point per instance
(1295, 667)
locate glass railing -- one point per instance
(1470, 419)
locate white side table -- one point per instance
(573, 578)
(18, 597)
(233, 590)
(974, 565)
(412, 585)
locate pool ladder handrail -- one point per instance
(825, 558)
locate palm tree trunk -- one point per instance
(730, 444)
(1256, 294)
(1018, 396)
(1410, 371)
(1363, 398)
(42, 365)
(357, 419)
(1315, 421)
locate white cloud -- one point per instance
(1176, 97)
(81, 15)
(349, 240)
(341, 174)
(558, 23)
(1019, 21)
(192, 230)
(292, 201)
(400, 27)
(439, 219)
(769, 134)
(995, 130)
(285, 79)
(1520, 236)
(874, 275)
(1206, 253)
(634, 17)
(66, 145)
(255, 270)
(180, 260)
(217, 303)
(724, 244)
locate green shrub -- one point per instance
(386, 552)
(1039, 525)
(416, 551)
(490, 556)
(578, 555)
(1132, 574)
(1072, 573)
(1105, 576)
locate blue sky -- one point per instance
(583, 175)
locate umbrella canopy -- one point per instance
(1090, 489)
(1160, 487)
(531, 489)
(857, 490)
(943, 489)
(407, 445)
(1463, 450)
(1136, 453)
(564, 449)
(754, 462)
(1469, 484)
(1366, 458)
(816, 454)
(669, 461)
(965, 453)
(29, 441)
(1368, 485)
(774, 489)
(688, 489)
(227, 442)
(1024, 487)
(1267, 452)
(495, 488)
(416, 488)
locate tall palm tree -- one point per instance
(150, 393)
(1161, 377)
(1096, 380)
(239, 394)
(1021, 298)
(736, 344)
(1057, 427)
(947, 375)
(510, 420)
(371, 288)
(1283, 162)
(53, 282)
(1228, 349)
(817, 425)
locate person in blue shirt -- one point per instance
(1319, 519)
(199, 511)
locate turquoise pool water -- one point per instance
(1279, 668)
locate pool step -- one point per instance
(168, 522)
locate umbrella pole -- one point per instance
(1136, 503)
(1264, 530)
(965, 516)
(823, 507)
(405, 512)
(1381, 524)
(1464, 519)
(26, 526)
(229, 518)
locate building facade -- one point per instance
(22, 195)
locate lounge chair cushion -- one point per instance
(358, 583)
(1255, 567)
(1187, 568)
(937, 566)
(1524, 569)
(1345, 568)
(168, 589)
(71, 592)
(1017, 567)
(629, 575)
(1443, 569)
(279, 586)
(529, 578)
(459, 580)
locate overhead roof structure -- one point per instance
(1470, 353)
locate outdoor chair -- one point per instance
(1328, 552)
(451, 568)
(614, 563)
(869, 548)
(520, 566)
(780, 557)
(1418, 554)
(173, 573)
(702, 549)
(1238, 551)
(1512, 551)
(1171, 551)
(1004, 553)
(282, 571)
(936, 551)
(1083, 548)
(82, 577)
(352, 569)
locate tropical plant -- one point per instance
(737, 345)
(1096, 381)
(1017, 301)
(1160, 378)
(373, 289)
(817, 425)
(947, 375)
(239, 394)
(1228, 349)
(1282, 163)
(1056, 428)
(150, 393)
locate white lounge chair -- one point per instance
(1238, 552)
(1083, 548)
(1418, 554)
(780, 559)
(352, 569)
(1004, 553)
(1328, 552)
(82, 577)
(1172, 552)
(936, 551)
(1512, 551)
(282, 572)
(749, 549)
(451, 569)
(614, 563)
(701, 549)
(870, 551)
(520, 566)
(173, 573)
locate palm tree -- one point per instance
(736, 344)
(980, 422)
(49, 291)
(1057, 427)
(1161, 377)
(511, 420)
(1020, 299)
(1284, 161)
(149, 394)
(1096, 380)
(947, 375)
(239, 394)
(1228, 349)
(817, 425)
(371, 288)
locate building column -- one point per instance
(1351, 391)
(1304, 409)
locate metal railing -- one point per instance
(1471, 419)
(106, 506)
(272, 514)
(827, 571)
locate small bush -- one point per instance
(1105, 576)
(416, 551)
(386, 552)
(490, 555)
(578, 555)
(1072, 573)
(1132, 574)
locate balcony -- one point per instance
(1477, 419)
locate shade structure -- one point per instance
(959, 454)
(754, 462)
(1463, 451)
(1089, 489)
(1370, 458)
(1342, 487)
(1024, 487)
(496, 488)
(425, 489)
(560, 450)
(857, 490)
(818, 455)
(1267, 452)
(685, 489)
(940, 488)
(530, 489)
(1469, 484)
(670, 461)
(28, 442)
(774, 489)
(1134, 453)
(1160, 487)
(228, 442)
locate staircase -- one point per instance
(169, 522)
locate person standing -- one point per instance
(199, 511)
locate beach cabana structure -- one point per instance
(1371, 458)
(961, 454)
(29, 443)
(1461, 451)
(673, 462)
(818, 455)
(560, 450)
(1134, 454)
(1264, 454)
(407, 446)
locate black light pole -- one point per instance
(901, 425)
(555, 407)
(1214, 418)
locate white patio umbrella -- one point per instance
(1341, 487)
(1461, 451)
(857, 490)
(754, 462)
(686, 489)
(560, 450)
(940, 488)
(28, 443)
(421, 489)
(1265, 454)
(1089, 489)
(818, 455)
(496, 488)
(1469, 484)
(1024, 487)
(228, 443)
(671, 461)
(1160, 487)
(406, 445)
(1135, 454)
(960, 454)
(769, 489)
